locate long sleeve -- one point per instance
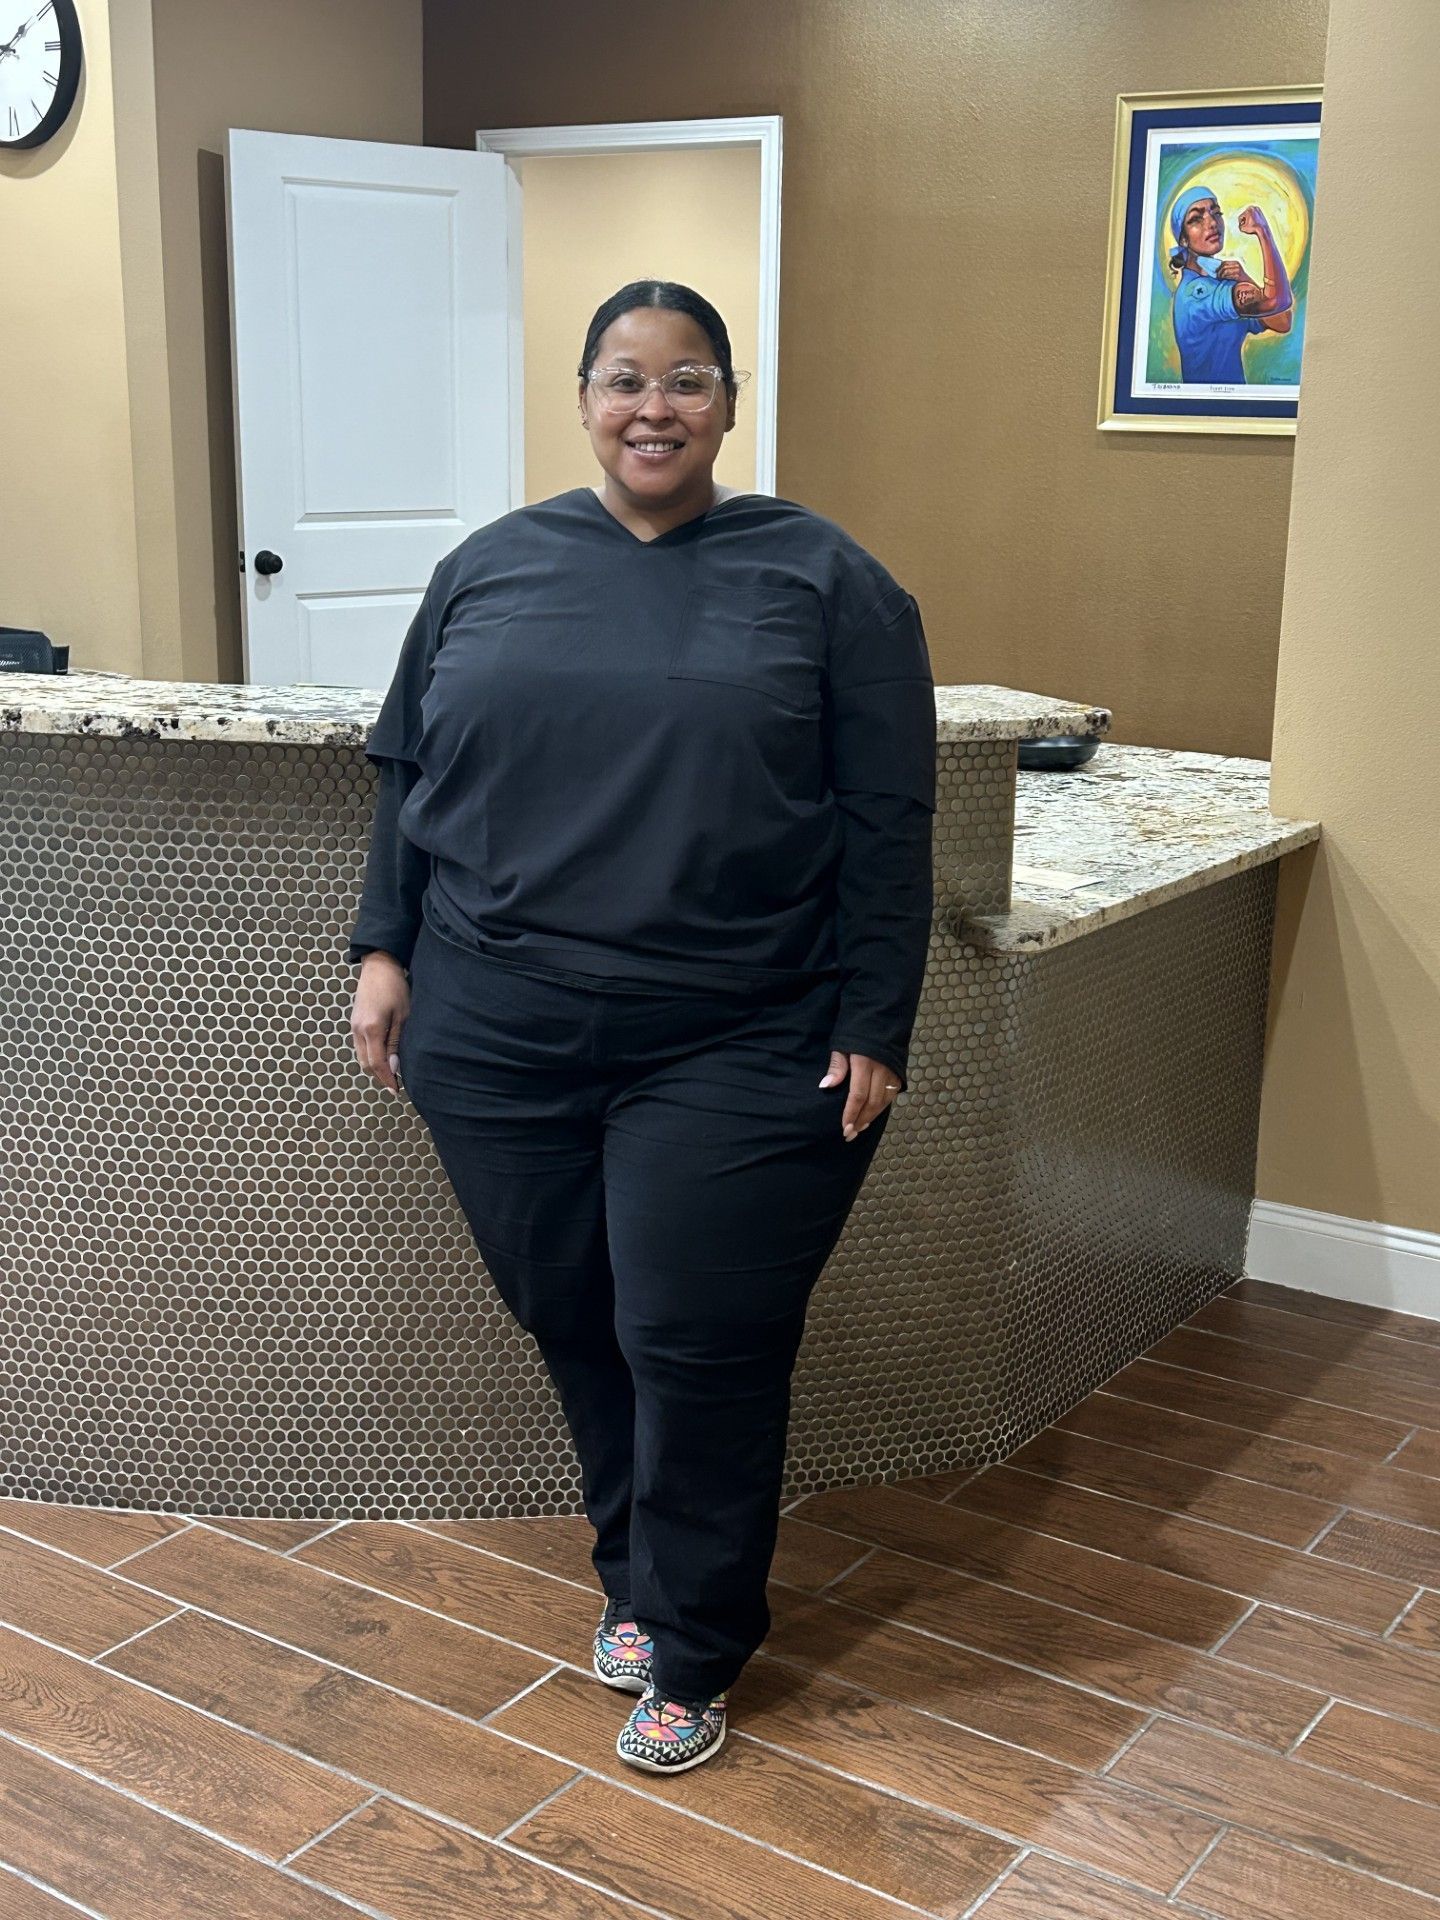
(396, 870)
(396, 873)
(882, 693)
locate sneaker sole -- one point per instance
(675, 1766)
(637, 1685)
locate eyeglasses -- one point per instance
(689, 389)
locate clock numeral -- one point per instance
(50, 79)
(14, 123)
(52, 46)
(49, 7)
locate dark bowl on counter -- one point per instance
(1058, 752)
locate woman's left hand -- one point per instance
(873, 1087)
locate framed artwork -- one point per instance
(1211, 214)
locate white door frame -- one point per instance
(642, 136)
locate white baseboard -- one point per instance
(1345, 1259)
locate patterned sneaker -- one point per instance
(664, 1736)
(622, 1651)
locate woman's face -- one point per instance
(652, 340)
(1204, 228)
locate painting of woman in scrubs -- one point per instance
(1217, 304)
(1212, 212)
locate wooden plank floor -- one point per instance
(1179, 1655)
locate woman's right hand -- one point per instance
(382, 1006)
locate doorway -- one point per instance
(696, 201)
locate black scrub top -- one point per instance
(704, 760)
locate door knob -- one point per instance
(267, 562)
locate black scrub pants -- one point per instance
(655, 1181)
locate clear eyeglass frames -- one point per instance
(689, 389)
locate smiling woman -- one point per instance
(656, 361)
(654, 844)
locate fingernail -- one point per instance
(827, 1080)
(849, 1132)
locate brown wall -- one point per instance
(1351, 1117)
(946, 207)
(68, 509)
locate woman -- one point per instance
(1217, 305)
(653, 839)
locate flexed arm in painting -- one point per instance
(1272, 303)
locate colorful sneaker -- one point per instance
(664, 1736)
(622, 1650)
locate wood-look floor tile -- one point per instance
(1074, 1459)
(1091, 1821)
(1332, 1479)
(540, 1612)
(1136, 1667)
(560, 1545)
(221, 1779)
(1278, 1332)
(696, 1872)
(1190, 1548)
(934, 1486)
(1329, 1381)
(1341, 1819)
(19, 1900)
(1386, 1752)
(1075, 1576)
(1262, 1409)
(1421, 1453)
(416, 1869)
(1247, 1878)
(341, 1721)
(551, 1543)
(288, 1601)
(1349, 1313)
(279, 1535)
(75, 1606)
(1420, 1629)
(912, 1853)
(1385, 1546)
(955, 1682)
(129, 1863)
(811, 1557)
(96, 1534)
(1043, 1889)
(1351, 1666)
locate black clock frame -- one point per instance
(72, 57)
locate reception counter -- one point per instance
(238, 1282)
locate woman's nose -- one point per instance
(657, 404)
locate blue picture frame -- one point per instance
(1204, 327)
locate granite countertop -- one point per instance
(119, 706)
(1134, 827)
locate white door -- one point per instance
(375, 339)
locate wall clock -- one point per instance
(40, 59)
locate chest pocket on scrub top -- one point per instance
(770, 640)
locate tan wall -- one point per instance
(1351, 1115)
(68, 558)
(346, 68)
(946, 206)
(575, 258)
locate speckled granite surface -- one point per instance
(118, 706)
(1134, 827)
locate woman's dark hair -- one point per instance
(662, 293)
(1178, 259)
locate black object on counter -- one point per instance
(1058, 751)
(24, 650)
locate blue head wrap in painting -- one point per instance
(1178, 212)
